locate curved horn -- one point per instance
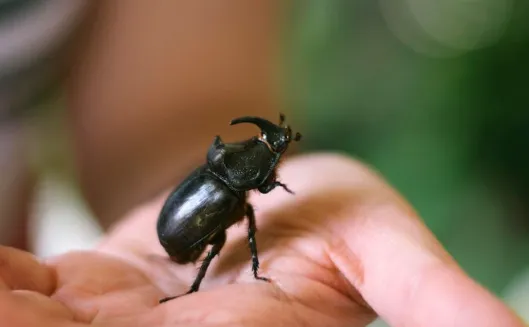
(266, 126)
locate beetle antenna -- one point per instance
(297, 137)
(281, 119)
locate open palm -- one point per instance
(342, 248)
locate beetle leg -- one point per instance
(252, 228)
(269, 187)
(218, 243)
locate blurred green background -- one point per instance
(429, 93)
(433, 95)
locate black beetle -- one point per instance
(214, 197)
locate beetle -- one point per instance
(213, 197)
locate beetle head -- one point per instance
(277, 136)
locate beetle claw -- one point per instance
(168, 299)
(264, 279)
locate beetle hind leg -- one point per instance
(218, 242)
(252, 228)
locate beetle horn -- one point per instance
(268, 128)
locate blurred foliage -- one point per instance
(441, 113)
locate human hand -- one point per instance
(342, 250)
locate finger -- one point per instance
(384, 250)
(148, 98)
(20, 270)
(93, 285)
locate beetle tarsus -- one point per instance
(177, 296)
(252, 228)
(285, 187)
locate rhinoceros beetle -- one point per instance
(214, 196)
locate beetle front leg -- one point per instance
(252, 228)
(218, 243)
(269, 187)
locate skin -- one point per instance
(342, 250)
